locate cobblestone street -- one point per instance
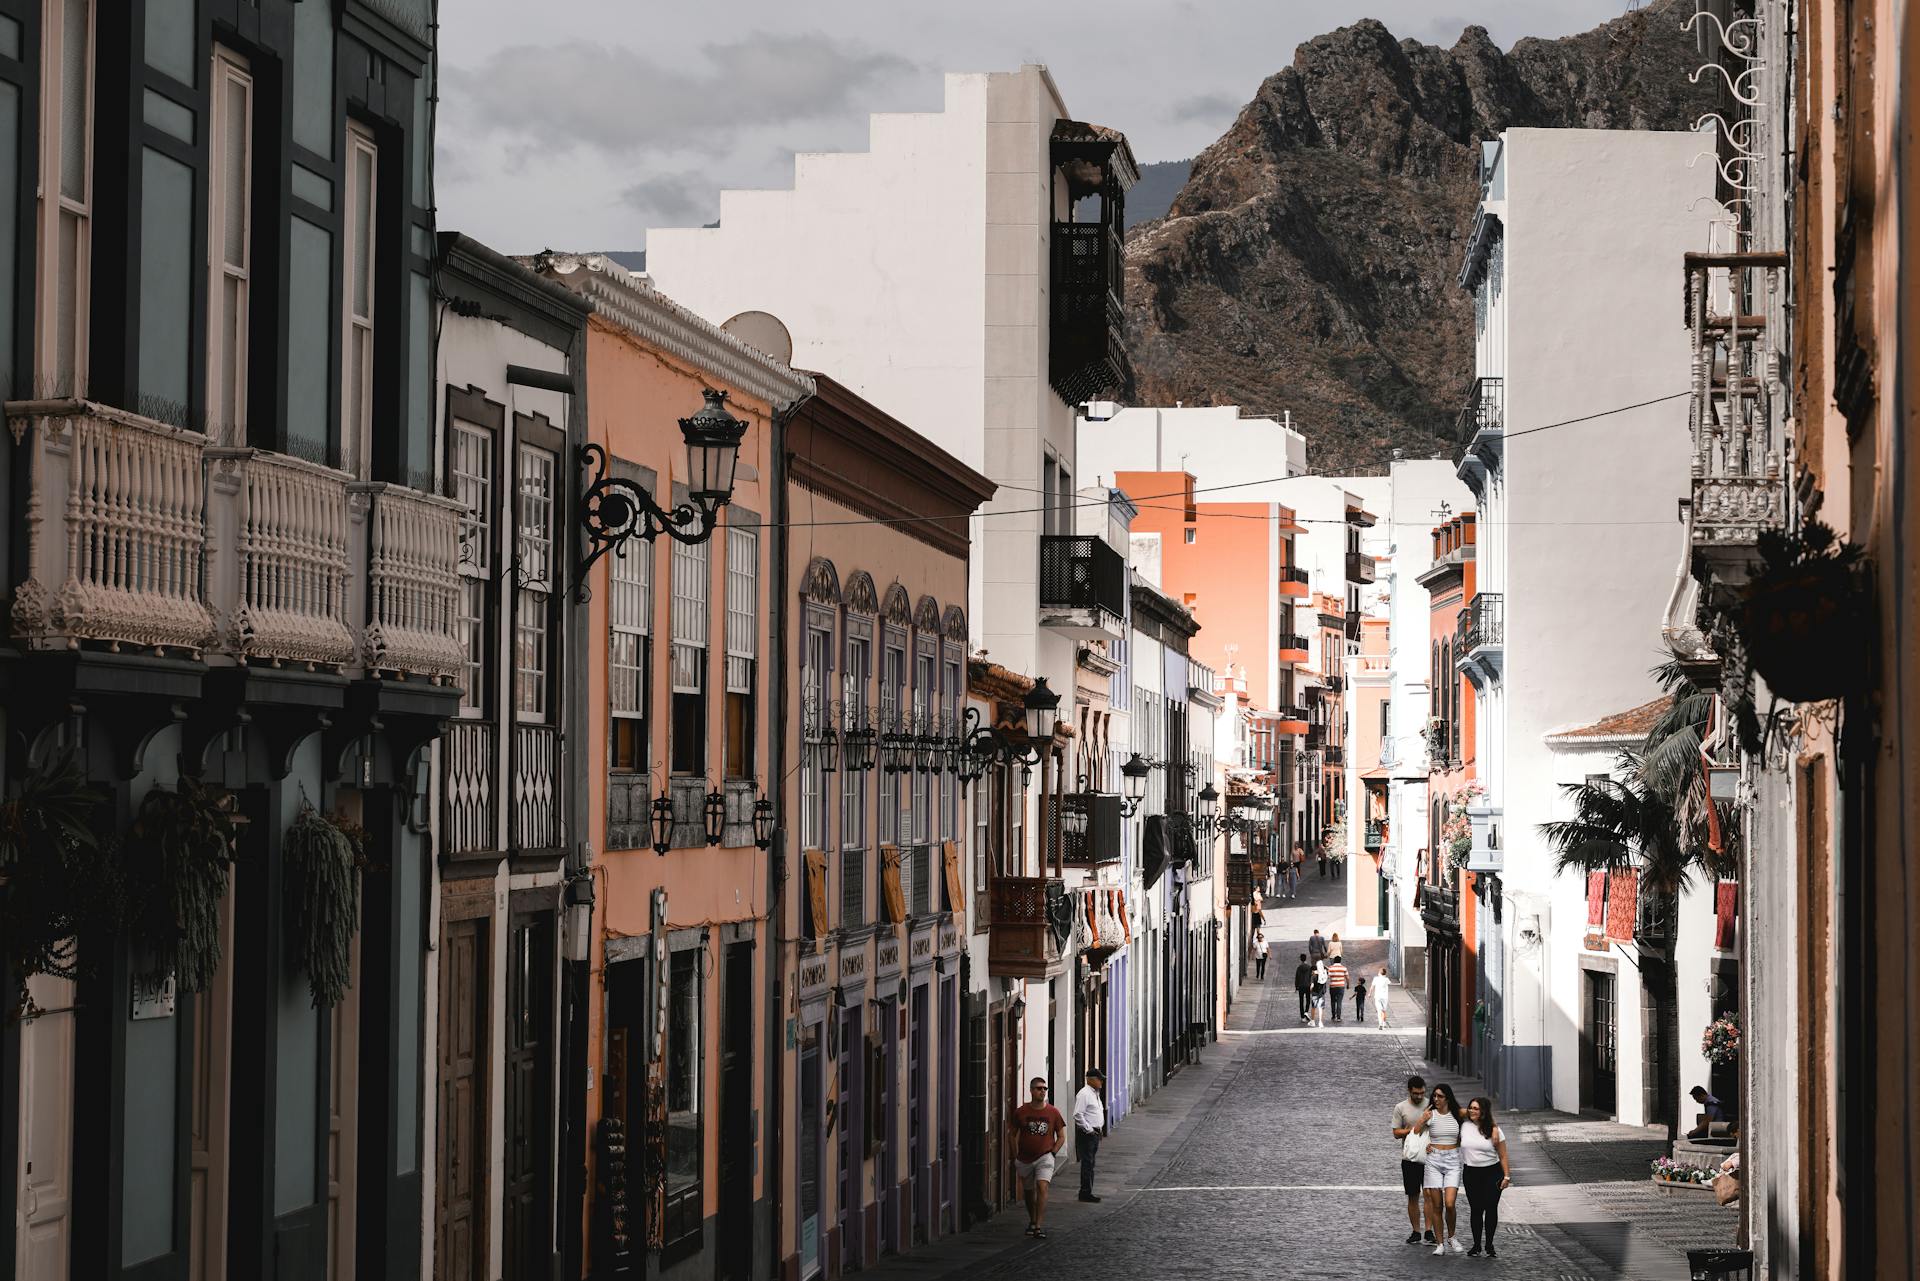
(1272, 1158)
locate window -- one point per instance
(857, 677)
(630, 654)
(893, 681)
(685, 1032)
(743, 624)
(1049, 504)
(533, 583)
(690, 586)
(925, 697)
(470, 482)
(229, 254)
(1386, 722)
(66, 127)
(816, 719)
(356, 348)
(951, 683)
(1193, 535)
(986, 858)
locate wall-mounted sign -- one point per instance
(949, 938)
(853, 965)
(888, 963)
(153, 998)
(815, 974)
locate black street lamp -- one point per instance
(1209, 809)
(662, 823)
(614, 509)
(1136, 772)
(716, 814)
(763, 822)
(1043, 711)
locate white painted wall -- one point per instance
(1212, 441)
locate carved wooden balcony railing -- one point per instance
(1025, 939)
(114, 529)
(142, 534)
(277, 563)
(412, 573)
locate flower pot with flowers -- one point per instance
(1456, 831)
(1720, 1043)
(1671, 1173)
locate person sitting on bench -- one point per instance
(1711, 1113)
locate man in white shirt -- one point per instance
(1089, 1124)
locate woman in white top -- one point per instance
(1483, 1148)
(1441, 1124)
(1382, 989)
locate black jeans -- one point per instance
(1086, 1146)
(1304, 1009)
(1259, 967)
(1483, 1200)
(1339, 995)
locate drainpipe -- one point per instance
(777, 852)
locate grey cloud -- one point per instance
(674, 199)
(617, 99)
(1206, 108)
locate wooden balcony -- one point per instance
(1030, 918)
(144, 535)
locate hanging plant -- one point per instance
(58, 880)
(320, 884)
(1720, 1043)
(1456, 832)
(176, 860)
(1804, 615)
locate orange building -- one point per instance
(1232, 565)
(680, 655)
(1447, 902)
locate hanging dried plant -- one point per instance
(58, 880)
(176, 861)
(320, 880)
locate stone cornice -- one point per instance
(633, 304)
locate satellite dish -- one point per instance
(763, 331)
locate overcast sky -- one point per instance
(578, 124)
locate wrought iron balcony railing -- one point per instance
(1291, 640)
(1084, 575)
(1093, 836)
(1484, 412)
(1084, 356)
(1486, 621)
(1376, 836)
(1360, 567)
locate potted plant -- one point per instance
(58, 879)
(1804, 616)
(1720, 1043)
(1456, 832)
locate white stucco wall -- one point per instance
(1213, 442)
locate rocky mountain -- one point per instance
(1309, 263)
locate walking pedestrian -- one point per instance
(1320, 994)
(1303, 984)
(1039, 1134)
(1413, 1169)
(1334, 949)
(1337, 985)
(1441, 1124)
(1089, 1127)
(1317, 947)
(1483, 1150)
(1359, 997)
(1259, 955)
(1299, 865)
(1259, 916)
(1292, 874)
(1323, 856)
(1382, 989)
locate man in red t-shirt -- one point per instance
(1039, 1132)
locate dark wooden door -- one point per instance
(527, 1199)
(1601, 1045)
(734, 1230)
(918, 1116)
(852, 1121)
(460, 1183)
(998, 1086)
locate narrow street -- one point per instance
(1272, 1159)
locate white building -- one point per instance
(1216, 443)
(1420, 493)
(1572, 267)
(951, 274)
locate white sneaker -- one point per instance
(1440, 1249)
(1454, 1246)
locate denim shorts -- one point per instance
(1443, 1168)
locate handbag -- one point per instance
(1726, 1189)
(1414, 1146)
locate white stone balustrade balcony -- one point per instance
(278, 549)
(145, 535)
(410, 563)
(114, 529)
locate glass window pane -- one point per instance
(170, 34)
(313, 76)
(74, 98)
(419, 383)
(236, 118)
(166, 286)
(9, 227)
(168, 116)
(362, 266)
(310, 329)
(146, 1208)
(296, 1095)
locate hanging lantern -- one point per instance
(662, 824)
(763, 822)
(716, 814)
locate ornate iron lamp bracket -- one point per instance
(614, 510)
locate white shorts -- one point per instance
(1042, 1169)
(1443, 1169)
